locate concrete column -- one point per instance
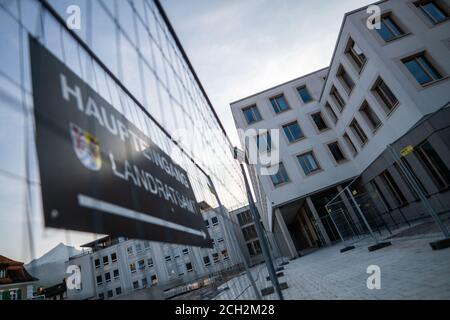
(318, 221)
(286, 235)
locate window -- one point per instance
(245, 218)
(370, 116)
(189, 267)
(144, 282)
(113, 257)
(214, 221)
(279, 104)
(249, 233)
(146, 244)
(109, 293)
(118, 291)
(168, 258)
(434, 165)
(150, 262)
(264, 142)
(141, 264)
(132, 267)
(337, 98)
(138, 247)
(130, 251)
(378, 191)
(254, 248)
(185, 251)
(281, 176)
(105, 260)
(393, 188)
(350, 144)
(293, 132)
(116, 274)
(206, 261)
(418, 181)
(2, 273)
(107, 277)
(207, 223)
(154, 280)
(319, 122)
(422, 69)
(97, 263)
(308, 163)
(336, 151)
(355, 54)
(252, 114)
(359, 132)
(136, 284)
(385, 95)
(331, 112)
(101, 296)
(225, 254)
(215, 257)
(219, 240)
(345, 79)
(432, 11)
(304, 94)
(99, 280)
(390, 29)
(406, 180)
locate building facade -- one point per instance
(115, 267)
(383, 86)
(15, 281)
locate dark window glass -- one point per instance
(422, 69)
(293, 131)
(113, 257)
(388, 99)
(118, 291)
(116, 273)
(370, 116)
(359, 132)
(434, 164)
(350, 144)
(249, 233)
(99, 280)
(308, 163)
(304, 94)
(206, 261)
(337, 98)
(97, 263)
(107, 277)
(389, 30)
(281, 176)
(189, 267)
(393, 188)
(336, 151)
(214, 221)
(252, 114)
(356, 55)
(319, 122)
(264, 142)
(279, 104)
(432, 11)
(245, 218)
(105, 260)
(346, 80)
(331, 112)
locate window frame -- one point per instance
(305, 87)
(274, 99)
(357, 132)
(380, 95)
(302, 170)
(368, 114)
(419, 6)
(337, 98)
(252, 107)
(343, 80)
(394, 20)
(344, 156)
(280, 164)
(353, 56)
(429, 62)
(319, 112)
(286, 126)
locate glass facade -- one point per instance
(134, 47)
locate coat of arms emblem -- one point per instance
(86, 148)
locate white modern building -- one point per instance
(383, 86)
(114, 267)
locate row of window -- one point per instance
(144, 282)
(216, 257)
(107, 277)
(110, 293)
(105, 260)
(433, 165)
(138, 248)
(214, 222)
(141, 265)
(279, 105)
(309, 164)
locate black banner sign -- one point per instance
(99, 172)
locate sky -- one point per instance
(241, 47)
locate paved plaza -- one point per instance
(410, 269)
